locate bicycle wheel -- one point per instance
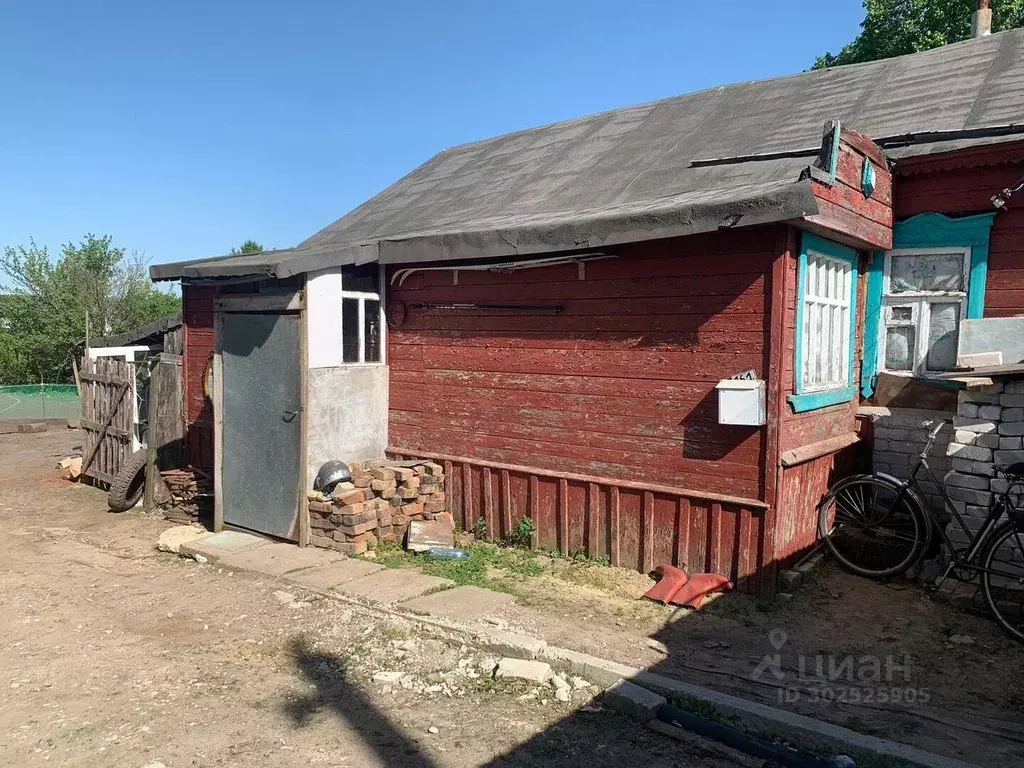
(871, 527)
(1004, 591)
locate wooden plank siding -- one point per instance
(619, 385)
(632, 524)
(843, 208)
(962, 183)
(801, 487)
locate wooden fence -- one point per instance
(633, 525)
(108, 415)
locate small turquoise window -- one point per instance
(826, 323)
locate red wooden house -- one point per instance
(550, 313)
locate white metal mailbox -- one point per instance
(741, 402)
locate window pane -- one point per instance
(371, 335)
(350, 330)
(899, 348)
(943, 329)
(365, 278)
(927, 272)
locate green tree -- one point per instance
(44, 309)
(249, 246)
(896, 27)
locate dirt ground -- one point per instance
(887, 660)
(112, 654)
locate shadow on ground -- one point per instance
(596, 739)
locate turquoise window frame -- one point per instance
(926, 230)
(808, 401)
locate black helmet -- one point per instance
(330, 474)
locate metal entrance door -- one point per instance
(261, 424)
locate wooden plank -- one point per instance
(863, 144)
(613, 526)
(682, 532)
(535, 507)
(152, 476)
(105, 477)
(593, 517)
(489, 514)
(96, 426)
(647, 557)
(506, 501)
(577, 478)
(260, 302)
(563, 516)
(818, 449)
(716, 540)
(467, 496)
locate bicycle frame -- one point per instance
(967, 557)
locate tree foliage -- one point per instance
(896, 27)
(43, 310)
(249, 246)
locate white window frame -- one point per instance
(921, 302)
(844, 361)
(363, 297)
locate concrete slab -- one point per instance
(461, 603)
(425, 534)
(222, 544)
(331, 575)
(393, 585)
(279, 559)
(172, 539)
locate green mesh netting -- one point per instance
(40, 401)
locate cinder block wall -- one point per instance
(899, 438)
(989, 432)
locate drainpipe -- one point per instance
(981, 22)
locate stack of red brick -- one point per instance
(378, 505)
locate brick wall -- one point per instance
(378, 505)
(899, 438)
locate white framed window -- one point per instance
(362, 315)
(826, 312)
(924, 299)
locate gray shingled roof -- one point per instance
(629, 174)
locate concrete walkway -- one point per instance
(332, 571)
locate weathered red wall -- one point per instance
(962, 183)
(197, 309)
(843, 207)
(801, 487)
(619, 385)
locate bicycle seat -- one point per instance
(1016, 469)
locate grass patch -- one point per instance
(487, 566)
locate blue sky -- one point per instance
(184, 128)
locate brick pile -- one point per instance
(378, 505)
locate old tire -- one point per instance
(130, 484)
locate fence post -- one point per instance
(42, 394)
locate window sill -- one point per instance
(811, 401)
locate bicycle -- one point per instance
(877, 526)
